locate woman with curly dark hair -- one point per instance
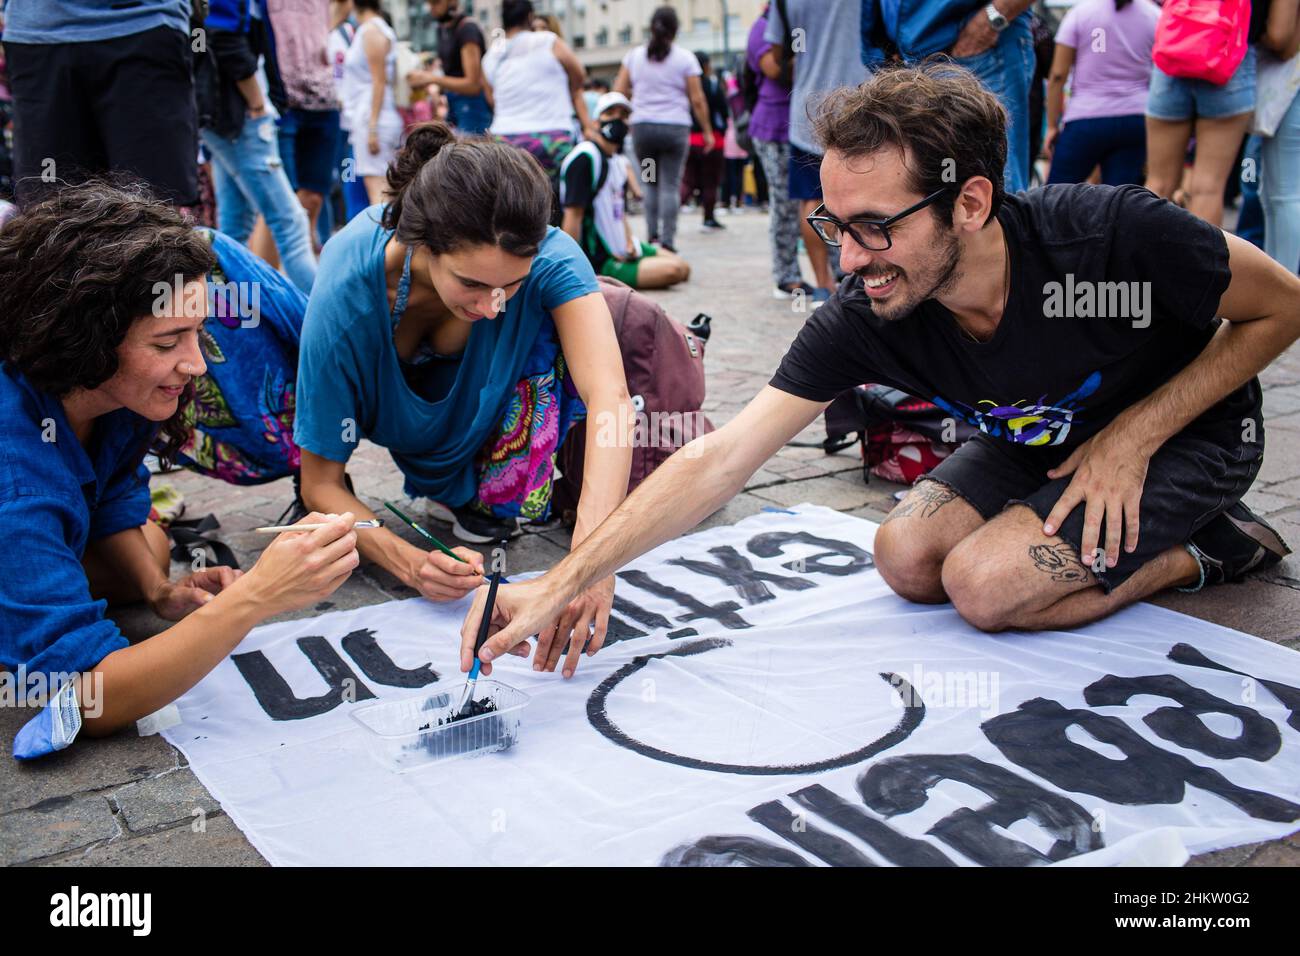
(97, 359)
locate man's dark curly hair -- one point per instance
(76, 270)
(938, 112)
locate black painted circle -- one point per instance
(598, 717)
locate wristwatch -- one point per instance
(996, 20)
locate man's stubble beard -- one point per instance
(949, 274)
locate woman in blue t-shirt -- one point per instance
(102, 303)
(456, 329)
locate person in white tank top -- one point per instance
(374, 125)
(534, 83)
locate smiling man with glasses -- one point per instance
(1104, 341)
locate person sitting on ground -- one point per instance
(455, 328)
(96, 369)
(1116, 440)
(593, 178)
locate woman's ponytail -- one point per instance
(663, 31)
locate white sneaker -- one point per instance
(440, 512)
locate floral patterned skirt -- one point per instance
(516, 466)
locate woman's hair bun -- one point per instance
(423, 142)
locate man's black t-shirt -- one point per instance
(452, 37)
(1062, 364)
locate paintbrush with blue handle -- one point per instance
(483, 626)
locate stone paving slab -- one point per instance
(163, 801)
(115, 761)
(54, 826)
(218, 843)
(130, 801)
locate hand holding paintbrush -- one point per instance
(437, 578)
(483, 627)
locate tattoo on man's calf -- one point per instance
(1060, 561)
(924, 501)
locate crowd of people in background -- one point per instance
(301, 105)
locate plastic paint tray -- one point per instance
(405, 734)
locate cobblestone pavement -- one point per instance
(132, 800)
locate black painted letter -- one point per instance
(901, 784)
(379, 667)
(1033, 736)
(274, 694)
(734, 569)
(773, 543)
(1259, 739)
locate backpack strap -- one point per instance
(787, 45)
(599, 164)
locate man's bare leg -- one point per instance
(917, 535)
(1008, 574)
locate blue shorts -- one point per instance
(805, 174)
(308, 144)
(1175, 99)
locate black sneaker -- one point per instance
(789, 290)
(470, 525)
(553, 523)
(1235, 543)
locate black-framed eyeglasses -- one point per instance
(870, 234)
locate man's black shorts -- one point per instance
(1200, 472)
(124, 105)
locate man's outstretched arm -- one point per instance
(683, 491)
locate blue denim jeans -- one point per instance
(1279, 189)
(1006, 70)
(248, 178)
(471, 113)
(1250, 219)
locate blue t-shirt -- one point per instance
(55, 496)
(77, 21)
(350, 380)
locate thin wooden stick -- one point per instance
(277, 528)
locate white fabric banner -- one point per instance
(766, 698)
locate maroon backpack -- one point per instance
(664, 365)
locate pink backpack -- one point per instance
(664, 365)
(1202, 39)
